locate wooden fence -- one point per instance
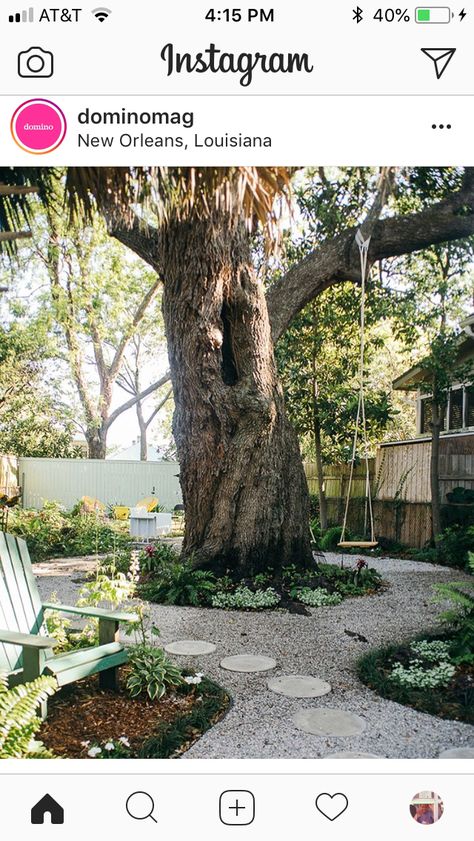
(400, 482)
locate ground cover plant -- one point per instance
(167, 579)
(433, 673)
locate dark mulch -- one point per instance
(82, 712)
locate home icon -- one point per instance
(45, 805)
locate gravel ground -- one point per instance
(259, 723)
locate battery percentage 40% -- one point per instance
(385, 15)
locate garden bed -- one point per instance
(454, 699)
(166, 579)
(83, 719)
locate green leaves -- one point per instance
(151, 672)
(19, 720)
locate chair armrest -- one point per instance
(95, 612)
(27, 640)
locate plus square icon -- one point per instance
(237, 808)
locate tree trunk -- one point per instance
(143, 433)
(96, 443)
(436, 425)
(244, 488)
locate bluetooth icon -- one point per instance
(358, 14)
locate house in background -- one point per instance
(132, 453)
(402, 469)
(460, 411)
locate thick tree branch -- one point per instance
(138, 316)
(142, 238)
(133, 400)
(158, 407)
(337, 260)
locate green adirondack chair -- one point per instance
(26, 652)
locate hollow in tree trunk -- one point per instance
(243, 483)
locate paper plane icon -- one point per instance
(441, 57)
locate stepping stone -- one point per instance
(329, 722)
(299, 686)
(248, 663)
(457, 753)
(348, 754)
(190, 647)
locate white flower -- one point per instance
(124, 741)
(85, 744)
(194, 679)
(109, 746)
(93, 752)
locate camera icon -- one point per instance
(35, 63)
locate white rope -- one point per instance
(363, 252)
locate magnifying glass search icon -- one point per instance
(140, 806)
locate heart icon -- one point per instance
(332, 805)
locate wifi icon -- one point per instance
(102, 13)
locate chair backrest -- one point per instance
(20, 603)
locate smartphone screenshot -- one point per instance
(236, 420)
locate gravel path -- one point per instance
(259, 724)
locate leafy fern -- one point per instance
(459, 617)
(19, 720)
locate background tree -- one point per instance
(130, 381)
(34, 421)
(98, 299)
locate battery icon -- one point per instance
(433, 14)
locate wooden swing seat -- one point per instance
(358, 544)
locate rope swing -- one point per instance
(361, 423)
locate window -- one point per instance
(456, 400)
(470, 405)
(426, 415)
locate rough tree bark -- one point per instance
(243, 483)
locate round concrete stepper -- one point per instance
(352, 754)
(329, 722)
(190, 647)
(457, 753)
(248, 663)
(299, 686)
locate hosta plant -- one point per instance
(151, 672)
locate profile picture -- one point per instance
(426, 807)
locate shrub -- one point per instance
(157, 555)
(331, 538)
(178, 583)
(245, 599)
(454, 547)
(460, 617)
(151, 672)
(19, 721)
(52, 532)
